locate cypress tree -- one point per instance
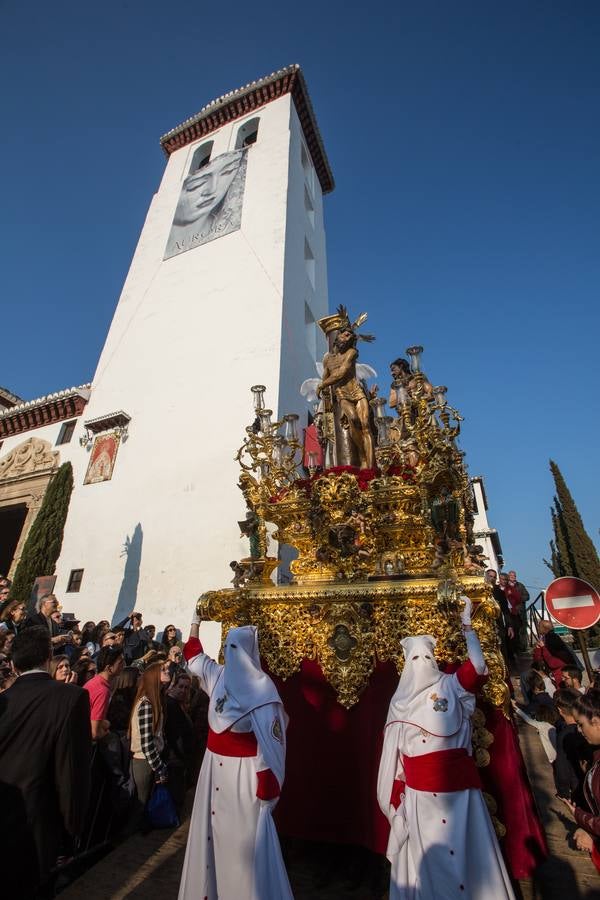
(560, 561)
(573, 551)
(554, 564)
(42, 547)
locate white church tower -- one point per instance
(224, 289)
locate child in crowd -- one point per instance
(537, 691)
(573, 753)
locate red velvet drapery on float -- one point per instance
(333, 759)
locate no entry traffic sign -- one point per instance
(573, 602)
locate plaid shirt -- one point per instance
(149, 748)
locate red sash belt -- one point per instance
(445, 770)
(232, 743)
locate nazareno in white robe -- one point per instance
(442, 846)
(233, 850)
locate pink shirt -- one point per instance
(99, 691)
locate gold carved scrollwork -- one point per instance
(348, 627)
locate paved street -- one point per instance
(148, 867)
(568, 874)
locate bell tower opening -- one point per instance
(12, 519)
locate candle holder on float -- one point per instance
(258, 392)
(313, 462)
(269, 463)
(415, 359)
(387, 453)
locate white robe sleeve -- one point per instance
(475, 652)
(269, 723)
(464, 694)
(206, 670)
(390, 768)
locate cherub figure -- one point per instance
(475, 559)
(240, 576)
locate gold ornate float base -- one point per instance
(348, 627)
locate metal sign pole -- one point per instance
(586, 657)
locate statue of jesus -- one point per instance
(349, 393)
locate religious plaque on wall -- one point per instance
(102, 459)
(210, 203)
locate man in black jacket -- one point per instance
(45, 607)
(45, 749)
(137, 641)
(505, 629)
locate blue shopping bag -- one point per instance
(161, 809)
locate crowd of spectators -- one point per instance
(512, 597)
(144, 722)
(566, 717)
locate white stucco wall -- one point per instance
(190, 335)
(481, 528)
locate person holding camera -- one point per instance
(136, 641)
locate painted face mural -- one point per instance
(210, 203)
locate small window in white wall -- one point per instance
(66, 432)
(310, 331)
(309, 206)
(201, 156)
(309, 260)
(307, 166)
(247, 134)
(75, 579)
(304, 157)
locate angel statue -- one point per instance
(308, 388)
(344, 395)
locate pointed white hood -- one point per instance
(422, 698)
(242, 685)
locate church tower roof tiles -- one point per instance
(244, 100)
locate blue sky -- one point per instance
(465, 142)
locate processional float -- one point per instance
(381, 519)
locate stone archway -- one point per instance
(25, 474)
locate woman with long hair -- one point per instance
(14, 616)
(586, 711)
(124, 690)
(146, 730)
(169, 638)
(60, 670)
